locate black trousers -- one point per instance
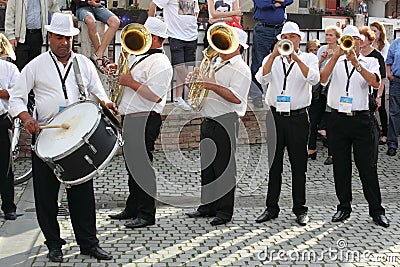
(361, 133)
(6, 174)
(27, 51)
(316, 113)
(140, 134)
(218, 165)
(382, 112)
(81, 205)
(290, 132)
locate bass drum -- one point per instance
(83, 150)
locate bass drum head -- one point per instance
(81, 117)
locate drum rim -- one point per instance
(101, 167)
(77, 145)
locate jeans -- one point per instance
(264, 39)
(394, 113)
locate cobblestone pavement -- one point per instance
(178, 241)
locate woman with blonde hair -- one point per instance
(382, 45)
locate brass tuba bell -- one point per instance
(135, 40)
(346, 43)
(6, 48)
(222, 39)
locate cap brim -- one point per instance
(73, 32)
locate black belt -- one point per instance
(275, 26)
(33, 30)
(353, 113)
(292, 113)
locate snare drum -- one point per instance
(80, 152)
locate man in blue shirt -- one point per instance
(269, 17)
(393, 74)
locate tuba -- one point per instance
(346, 43)
(222, 39)
(285, 48)
(135, 40)
(6, 48)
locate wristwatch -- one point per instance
(359, 68)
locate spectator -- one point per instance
(89, 11)
(24, 27)
(363, 9)
(269, 17)
(181, 19)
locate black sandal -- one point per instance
(98, 62)
(105, 61)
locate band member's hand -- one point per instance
(207, 81)
(275, 52)
(14, 43)
(352, 57)
(125, 79)
(31, 126)
(112, 106)
(189, 76)
(111, 69)
(295, 57)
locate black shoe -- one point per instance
(219, 221)
(302, 219)
(340, 216)
(381, 220)
(313, 156)
(55, 255)
(328, 161)
(198, 214)
(96, 252)
(123, 215)
(10, 215)
(258, 102)
(391, 152)
(138, 223)
(266, 216)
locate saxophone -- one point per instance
(135, 40)
(222, 39)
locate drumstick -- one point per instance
(63, 125)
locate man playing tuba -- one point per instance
(142, 102)
(228, 86)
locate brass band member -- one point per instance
(56, 87)
(354, 126)
(142, 102)
(8, 76)
(289, 79)
(227, 100)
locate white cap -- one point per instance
(291, 27)
(353, 31)
(242, 37)
(62, 24)
(156, 27)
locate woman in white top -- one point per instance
(382, 45)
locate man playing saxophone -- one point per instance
(228, 87)
(142, 102)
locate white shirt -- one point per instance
(358, 87)
(235, 76)
(41, 75)
(8, 77)
(156, 73)
(180, 18)
(298, 87)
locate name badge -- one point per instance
(283, 103)
(345, 104)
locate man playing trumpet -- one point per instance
(228, 86)
(353, 124)
(142, 101)
(289, 74)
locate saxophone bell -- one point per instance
(6, 48)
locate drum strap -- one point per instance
(79, 80)
(61, 77)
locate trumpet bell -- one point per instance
(346, 43)
(6, 48)
(222, 38)
(285, 47)
(135, 38)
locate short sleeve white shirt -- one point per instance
(9, 74)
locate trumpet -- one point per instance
(346, 43)
(6, 47)
(285, 48)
